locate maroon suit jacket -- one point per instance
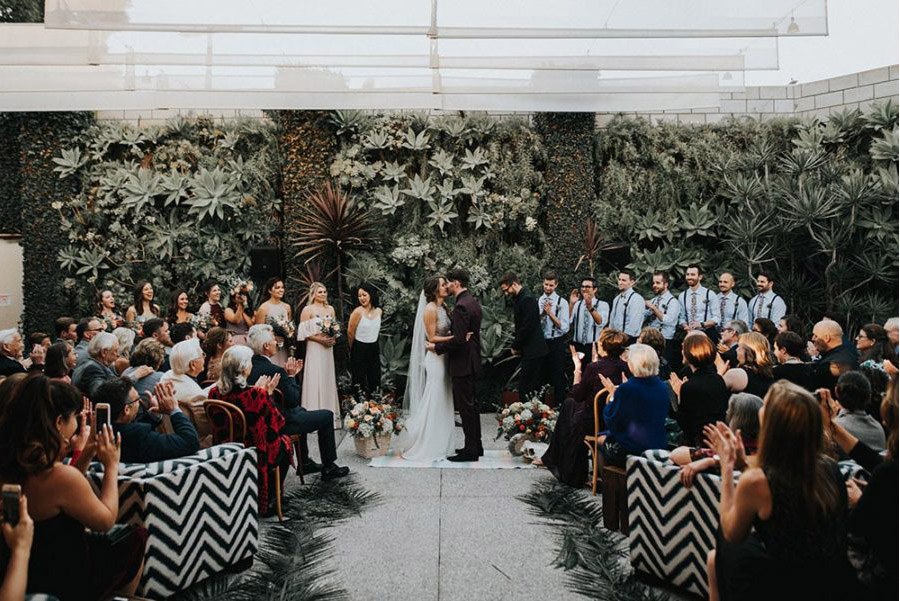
(463, 356)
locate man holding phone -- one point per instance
(140, 442)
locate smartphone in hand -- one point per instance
(103, 415)
(11, 495)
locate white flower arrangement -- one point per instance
(371, 418)
(533, 418)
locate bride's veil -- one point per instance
(415, 381)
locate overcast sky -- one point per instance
(863, 34)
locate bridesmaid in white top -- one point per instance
(319, 380)
(362, 337)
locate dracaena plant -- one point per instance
(332, 226)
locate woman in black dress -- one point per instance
(754, 371)
(794, 499)
(702, 395)
(567, 457)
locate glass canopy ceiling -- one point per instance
(522, 55)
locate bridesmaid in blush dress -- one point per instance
(319, 381)
(275, 307)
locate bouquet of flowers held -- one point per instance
(240, 286)
(281, 326)
(373, 418)
(330, 327)
(202, 321)
(531, 417)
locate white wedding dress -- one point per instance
(428, 435)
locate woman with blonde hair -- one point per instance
(754, 371)
(320, 329)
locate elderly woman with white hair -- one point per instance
(186, 362)
(635, 413)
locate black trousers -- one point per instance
(300, 421)
(365, 365)
(531, 376)
(467, 405)
(555, 367)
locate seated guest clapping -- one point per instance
(140, 442)
(635, 412)
(187, 363)
(702, 395)
(297, 419)
(567, 457)
(11, 348)
(35, 433)
(102, 353)
(783, 527)
(742, 419)
(265, 423)
(149, 353)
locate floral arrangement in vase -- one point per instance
(373, 418)
(532, 418)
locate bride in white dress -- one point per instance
(428, 436)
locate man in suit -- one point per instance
(528, 341)
(11, 348)
(102, 351)
(141, 443)
(464, 361)
(298, 420)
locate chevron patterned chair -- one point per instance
(672, 528)
(200, 511)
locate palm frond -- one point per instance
(595, 558)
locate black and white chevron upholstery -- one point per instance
(201, 513)
(672, 528)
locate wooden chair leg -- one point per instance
(595, 452)
(278, 493)
(299, 463)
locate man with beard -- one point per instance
(698, 309)
(767, 304)
(662, 312)
(627, 313)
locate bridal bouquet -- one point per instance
(330, 328)
(533, 418)
(373, 419)
(281, 326)
(240, 286)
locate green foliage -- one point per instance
(21, 11)
(176, 204)
(813, 201)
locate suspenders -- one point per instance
(554, 329)
(625, 312)
(578, 320)
(705, 307)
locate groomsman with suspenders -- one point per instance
(627, 314)
(698, 310)
(767, 303)
(589, 316)
(662, 313)
(554, 313)
(729, 305)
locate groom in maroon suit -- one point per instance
(464, 361)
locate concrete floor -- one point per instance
(446, 535)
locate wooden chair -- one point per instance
(296, 440)
(593, 441)
(230, 425)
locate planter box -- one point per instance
(374, 446)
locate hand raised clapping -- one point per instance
(269, 384)
(293, 366)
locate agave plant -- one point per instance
(394, 359)
(887, 147)
(213, 192)
(332, 226)
(388, 200)
(883, 116)
(71, 161)
(140, 189)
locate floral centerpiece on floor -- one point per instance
(371, 422)
(531, 419)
